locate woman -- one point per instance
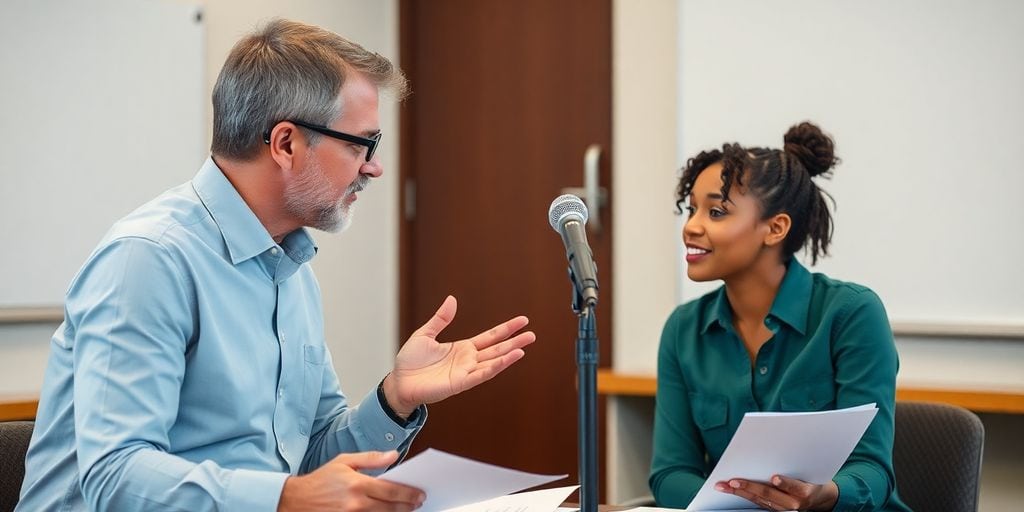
(775, 337)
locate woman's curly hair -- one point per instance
(780, 179)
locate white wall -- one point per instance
(924, 100)
(358, 270)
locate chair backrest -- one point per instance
(937, 456)
(14, 438)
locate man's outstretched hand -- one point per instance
(427, 371)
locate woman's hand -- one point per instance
(783, 493)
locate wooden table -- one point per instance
(610, 383)
(18, 407)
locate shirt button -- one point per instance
(281, 446)
(280, 336)
(763, 370)
(389, 436)
(280, 393)
(273, 250)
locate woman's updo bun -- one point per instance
(812, 147)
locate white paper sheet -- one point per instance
(544, 500)
(810, 446)
(451, 481)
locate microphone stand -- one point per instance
(586, 367)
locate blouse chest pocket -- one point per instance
(711, 415)
(814, 395)
(312, 381)
(709, 410)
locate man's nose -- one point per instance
(373, 168)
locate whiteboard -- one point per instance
(102, 109)
(925, 100)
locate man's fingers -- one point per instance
(486, 371)
(392, 492)
(444, 316)
(379, 489)
(499, 332)
(518, 342)
(367, 460)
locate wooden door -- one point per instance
(506, 98)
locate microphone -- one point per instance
(568, 216)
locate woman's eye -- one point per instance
(717, 212)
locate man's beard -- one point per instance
(310, 198)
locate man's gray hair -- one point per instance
(288, 70)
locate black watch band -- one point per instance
(402, 422)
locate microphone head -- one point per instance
(566, 205)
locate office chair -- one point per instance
(937, 456)
(14, 438)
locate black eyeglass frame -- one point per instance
(370, 143)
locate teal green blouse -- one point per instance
(832, 347)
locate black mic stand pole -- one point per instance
(586, 367)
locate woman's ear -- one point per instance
(778, 228)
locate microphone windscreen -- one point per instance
(563, 206)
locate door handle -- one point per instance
(592, 194)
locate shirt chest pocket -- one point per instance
(711, 414)
(814, 395)
(709, 410)
(312, 382)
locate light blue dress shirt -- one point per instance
(190, 372)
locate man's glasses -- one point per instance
(370, 143)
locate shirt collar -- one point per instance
(794, 296)
(790, 305)
(718, 311)
(244, 234)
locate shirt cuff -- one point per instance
(401, 422)
(254, 490)
(374, 430)
(853, 493)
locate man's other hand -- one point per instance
(339, 486)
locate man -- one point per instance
(190, 372)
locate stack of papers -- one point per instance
(809, 446)
(452, 482)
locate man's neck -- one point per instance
(261, 186)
